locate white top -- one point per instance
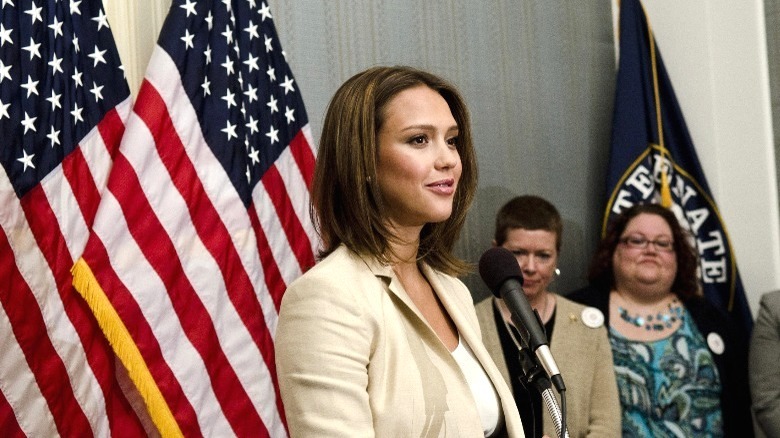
(488, 404)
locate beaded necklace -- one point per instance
(662, 320)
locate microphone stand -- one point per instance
(534, 374)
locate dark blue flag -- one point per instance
(647, 167)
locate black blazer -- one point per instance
(732, 364)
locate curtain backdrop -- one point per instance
(772, 11)
(538, 77)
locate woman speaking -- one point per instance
(379, 338)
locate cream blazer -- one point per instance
(355, 358)
(584, 357)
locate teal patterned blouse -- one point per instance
(669, 387)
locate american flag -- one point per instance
(63, 104)
(205, 221)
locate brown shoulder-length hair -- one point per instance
(686, 283)
(347, 205)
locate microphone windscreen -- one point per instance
(498, 265)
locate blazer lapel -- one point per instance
(386, 274)
(469, 333)
(460, 317)
(454, 310)
(490, 337)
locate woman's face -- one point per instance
(536, 254)
(653, 265)
(419, 165)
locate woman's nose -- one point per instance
(528, 264)
(448, 156)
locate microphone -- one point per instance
(499, 270)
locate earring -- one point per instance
(557, 272)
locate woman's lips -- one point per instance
(443, 187)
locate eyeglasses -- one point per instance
(641, 242)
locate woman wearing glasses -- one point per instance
(679, 371)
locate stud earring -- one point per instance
(557, 272)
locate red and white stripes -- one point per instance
(195, 275)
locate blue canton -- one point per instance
(60, 74)
(245, 95)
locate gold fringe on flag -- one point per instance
(666, 192)
(125, 348)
